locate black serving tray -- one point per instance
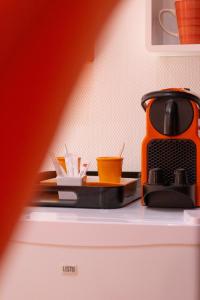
(102, 197)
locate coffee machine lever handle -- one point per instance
(170, 118)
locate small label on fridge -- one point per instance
(69, 270)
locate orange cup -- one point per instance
(109, 169)
(188, 12)
(61, 161)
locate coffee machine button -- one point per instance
(155, 177)
(180, 177)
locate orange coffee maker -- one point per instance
(171, 149)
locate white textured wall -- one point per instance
(106, 107)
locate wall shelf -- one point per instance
(159, 42)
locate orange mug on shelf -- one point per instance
(109, 169)
(187, 13)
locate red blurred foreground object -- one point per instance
(44, 44)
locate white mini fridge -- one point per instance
(132, 253)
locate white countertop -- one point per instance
(134, 213)
(133, 225)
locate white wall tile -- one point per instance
(105, 110)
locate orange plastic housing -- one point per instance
(191, 133)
